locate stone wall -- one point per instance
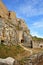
(3, 10)
(12, 15)
(8, 33)
(37, 43)
(13, 30)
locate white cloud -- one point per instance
(34, 33)
(37, 28)
(31, 8)
(38, 24)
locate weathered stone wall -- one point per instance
(12, 15)
(13, 30)
(24, 34)
(3, 10)
(10, 34)
(7, 34)
(37, 44)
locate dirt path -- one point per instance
(26, 48)
(40, 63)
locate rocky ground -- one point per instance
(40, 63)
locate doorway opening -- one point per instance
(0, 16)
(2, 41)
(41, 46)
(9, 15)
(31, 44)
(22, 40)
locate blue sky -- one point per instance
(29, 10)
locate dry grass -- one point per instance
(13, 51)
(16, 52)
(37, 50)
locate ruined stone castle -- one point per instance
(13, 30)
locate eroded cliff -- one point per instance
(13, 30)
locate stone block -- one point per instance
(7, 61)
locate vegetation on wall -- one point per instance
(37, 38)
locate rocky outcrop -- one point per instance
(7, 61)
(3, 10)
(35, 59)
(13, 30)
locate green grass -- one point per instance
(12, 51)
(15, 51)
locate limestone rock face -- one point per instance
(12, 15)
(3, 10)
(13, 30)
(7, 61)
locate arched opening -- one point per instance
(9, 14)
(22, 40)
(41, 46)
(2, 41)
(0, 16)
